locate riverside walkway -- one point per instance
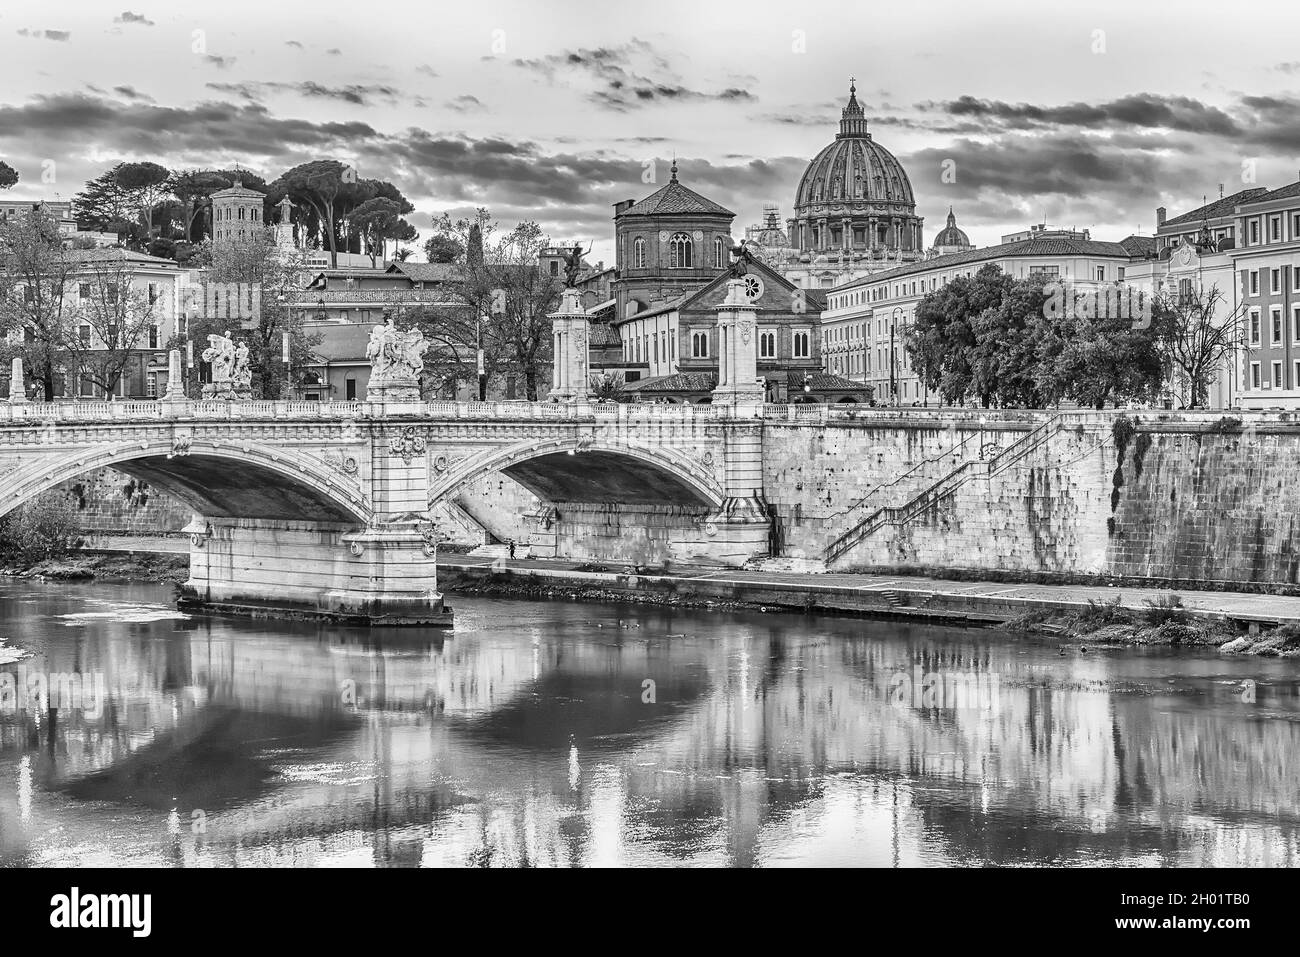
(902, 595)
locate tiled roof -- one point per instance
(823, 382)
(1282, 192)
(603, 334)
(1220, 207)
(1041, 246)
(674, 199)
(426, 272)
(116, 254)
(1142, 247)
(658, 310)
(677, 382)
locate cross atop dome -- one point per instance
(853, 121)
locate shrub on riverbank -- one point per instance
(1164, 621)
(1280, 642)
(39, 531)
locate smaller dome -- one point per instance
(950, 235)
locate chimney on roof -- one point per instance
(1160, 216)
(624, 206)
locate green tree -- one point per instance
(443, 248)
(103, 205)
(1200, 334)
(942, 336)
(37, 293)
(377, 221)
(330, 191)
(274, 277)
(8, 175)
(145, 186)
(111, 320)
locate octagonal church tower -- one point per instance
(667, 245)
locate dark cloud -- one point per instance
(618, 85)
(1071, 180)
(220, 62)
(427, 70)
(465, 104)
(58, 36)
(126, 16)
(131, 93)
(1138, 109)
(74, 127)
(334, 51)
(293, 43)
(359, 94)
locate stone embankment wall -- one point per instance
(1168, 496)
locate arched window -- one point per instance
(719, 253)
(699, 345)
(767, 345)
(638, 253)
(681, 254)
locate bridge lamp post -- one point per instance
(482, 366)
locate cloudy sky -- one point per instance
(554, 110)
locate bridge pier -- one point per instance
(375, 575)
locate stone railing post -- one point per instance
(17, 386)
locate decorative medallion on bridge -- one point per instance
(707, 457)
(180, 445)
(429, 532)
(345, 463)
(440, 463)
(408, 445)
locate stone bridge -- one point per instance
(327, 505)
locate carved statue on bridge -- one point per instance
(241, 374)
(220, 355)
(396, 361)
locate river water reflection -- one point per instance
(561, 734)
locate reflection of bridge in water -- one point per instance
(535, 745)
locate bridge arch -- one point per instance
(236, 479)
(586, 470)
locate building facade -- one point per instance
(866, 323)
(156, 290)
(1266, 261)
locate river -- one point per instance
(564, 734)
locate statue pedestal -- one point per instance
(738, 383)
(570, 330)
(403, 389)
(220, 389)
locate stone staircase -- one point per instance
(500, 550)
(789, 566)
(457, 524)
(899, 515)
